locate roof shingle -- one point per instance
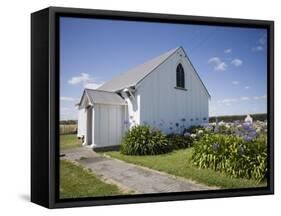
(104, 97)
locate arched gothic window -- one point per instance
(180, 76)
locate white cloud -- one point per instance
(228, 100)
(247, 87)
(84, 77)
(228, 51)
(86, 80)
(219, 65)
(260, 97)
(214, 60)
(65, 109)
(93, 85)
(235, 82)
(260, 44)
(257, 48)
(237, 62)
(262, 40)
(68, 99)
(245, 98)
(68, 112)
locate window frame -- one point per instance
(180, 77)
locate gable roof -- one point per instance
(102, 97)
(136, 74)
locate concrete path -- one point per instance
(136, 178)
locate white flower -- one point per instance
(193, 135)
(227, 126)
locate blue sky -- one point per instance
(231, 61)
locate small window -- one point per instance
(180, 77)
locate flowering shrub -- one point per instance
(143, 140)
(232, 154)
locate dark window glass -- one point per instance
(180, 76)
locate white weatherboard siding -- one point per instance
(133, 109)
(163, 106)
(81, 128)
(108, 125)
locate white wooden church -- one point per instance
(165, 92)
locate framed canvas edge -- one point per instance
(53, 115)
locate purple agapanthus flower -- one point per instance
(126, 122)
(236, 122)
(247, 138)
(216, 130)
(253, 133)
(238, 133)
(216, 147)
(247, 125)
(145, 123)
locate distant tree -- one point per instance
(231, 118)
(68, 122)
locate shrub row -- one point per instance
(142, 140)
(232, 155)
(179, 141)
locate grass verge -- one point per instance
(68, 141)
(178, 163)
(77, 182)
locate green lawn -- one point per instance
(75, 182)
(178, 163)
(68, 141)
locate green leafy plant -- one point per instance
(233, 155)
(143, 140)
(194, 129)
(179, 141)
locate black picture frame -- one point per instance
(45, 106)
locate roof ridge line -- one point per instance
(153, 62)
(176, 49)
(99, 90)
